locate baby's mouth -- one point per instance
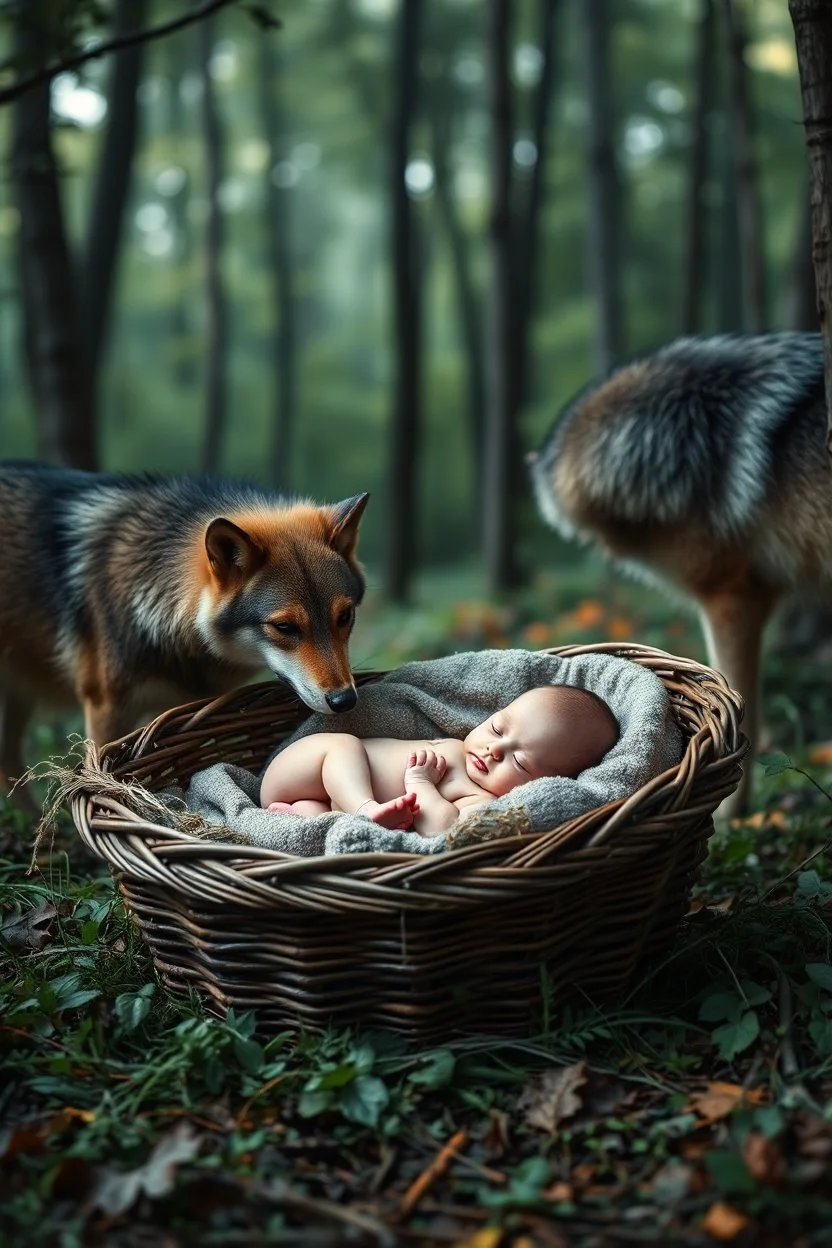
(479, 764)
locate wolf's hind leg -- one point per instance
(734, 623)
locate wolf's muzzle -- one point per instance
(342, 699)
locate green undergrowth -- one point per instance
(696, 1108)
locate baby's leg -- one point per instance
(298, 808)
(296, 774)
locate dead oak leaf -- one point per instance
(117, 1190)
(763, 1159)
(30, 930)
(718, 1100)
(552, 1097)
(723, 1222)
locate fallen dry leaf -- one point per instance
(718, 1100)
(821, 754)
(763, 1159)
(723, 1222)
(486, 1237)
(32, 1136)
(551, 1097)
(117, 1190)
(30, 930)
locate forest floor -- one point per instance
(697, 1111)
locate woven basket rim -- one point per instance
(114, 820)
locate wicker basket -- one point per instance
(460, 942)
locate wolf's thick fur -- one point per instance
(129, 592)
(705, 465)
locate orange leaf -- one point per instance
(559, 1191)
(588, 614)
(765, 819)
(486, 1237)
(720, 1099)
(619, 628)
(821, 755)
(763, 1159)
(723, 1222)
(537, 634)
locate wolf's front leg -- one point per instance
(734, 625)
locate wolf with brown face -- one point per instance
(129, 592)
(704, 466)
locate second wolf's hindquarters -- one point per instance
(704, 465)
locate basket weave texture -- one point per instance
(430, 946)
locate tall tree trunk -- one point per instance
(749, 203)
(527, 214)
(729, 291)
(695, 258)
(468, 300)
(812, 21)
(278, 205)
(98, 268)
(497, 518)
(604, 187)
(181, 328)
(55, 356)
(802, 309)
(216, 343)
(407, 313)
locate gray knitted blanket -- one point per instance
(447, 698)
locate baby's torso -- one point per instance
(388, 759)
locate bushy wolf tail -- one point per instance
(693, 427)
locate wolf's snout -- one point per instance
(342, 699)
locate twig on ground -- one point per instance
(435, 1170)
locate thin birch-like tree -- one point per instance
(812, 22)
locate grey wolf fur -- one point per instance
(128, 592)
(704, 466)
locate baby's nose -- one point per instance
(497, 752)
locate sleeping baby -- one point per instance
(424, 786)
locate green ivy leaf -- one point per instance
(249, 1054)
(820, 973)
(719, 1005)
(364, 1099)
(729, 1171)
(774, 764)
(735, 1037)
(437, 1071)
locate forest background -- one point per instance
(343, 252)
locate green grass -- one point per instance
(698, 1107)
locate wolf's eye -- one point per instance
(346, 617)
(285, 628)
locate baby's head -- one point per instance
(553, 730)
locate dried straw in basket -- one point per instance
(432, 946)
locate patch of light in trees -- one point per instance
(72, 102)
(418, 176)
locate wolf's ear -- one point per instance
(232, 553)
(346, 517)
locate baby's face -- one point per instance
(514, 745)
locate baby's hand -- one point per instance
(424, 765)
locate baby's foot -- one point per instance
(397, 815)
(281, 808)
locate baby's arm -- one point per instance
(425, 768)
